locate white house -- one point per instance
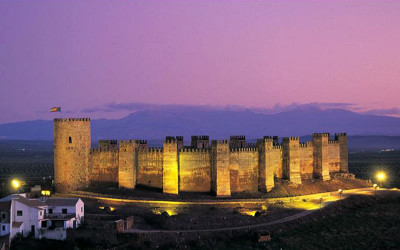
(42, 219)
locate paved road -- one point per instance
(286, 219)
(334, 197)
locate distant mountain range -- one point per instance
(156, 124)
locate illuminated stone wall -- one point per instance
(170, 167)
(103, 167)
(227, 167)
(150, 167)
(291, 159)
(333, 156)
(72, 143)
(221, 185)
(306, 160)
(195, 170)
(243, 169)
(321, 163)
(270, 163)
(127, 162)
(344, 151)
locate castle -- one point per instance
(222, 167)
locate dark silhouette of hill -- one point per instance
(156, 124)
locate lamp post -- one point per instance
(340, 191)
(381, 176)
(375, 186)
(16, 184)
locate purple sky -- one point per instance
(85, 54)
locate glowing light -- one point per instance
(45, 192)
(381, 176)
(170, 212)
(112, 209)
(375, 186)
(16, 183)
(340, 191)
(264, 207)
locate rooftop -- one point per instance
(61, 201)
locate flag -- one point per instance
(55, 109)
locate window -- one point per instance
(44, 223)
(3, 228)
(50, 210)
(64, 210)
(70, 139)
(19, 212)
(3, 215)
(40, 213)
(82, 209)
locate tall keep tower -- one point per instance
(321, 167)
(291, 159)
(72, 143)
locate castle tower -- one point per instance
(344, 152)
(170, 166)
(291, 159)
(127, 159)
(72, 144)
(265, 169)
(320, 145)
(221, 183)
(237, 141)
(200, 141)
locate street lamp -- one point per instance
(340, 191)
(375, 186)
(16, 184)
(381, 176)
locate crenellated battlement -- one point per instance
(141, 141)
(71, 119)
(215, 142)
(194, 150)
(238, 137)
(319, 135)
(278, 147)
(201, 137)
(124, 142)
(308, 144)
(333, 142)
(243, 150)
(290, 138)
(151, 150)
(340, 134)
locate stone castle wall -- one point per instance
(103, 167)
(243, 166)
(306, 160)
(195, 170)
(150, 167)
(222, 167)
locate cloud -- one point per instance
(277, 108)
(384, 112)
(138, 106)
